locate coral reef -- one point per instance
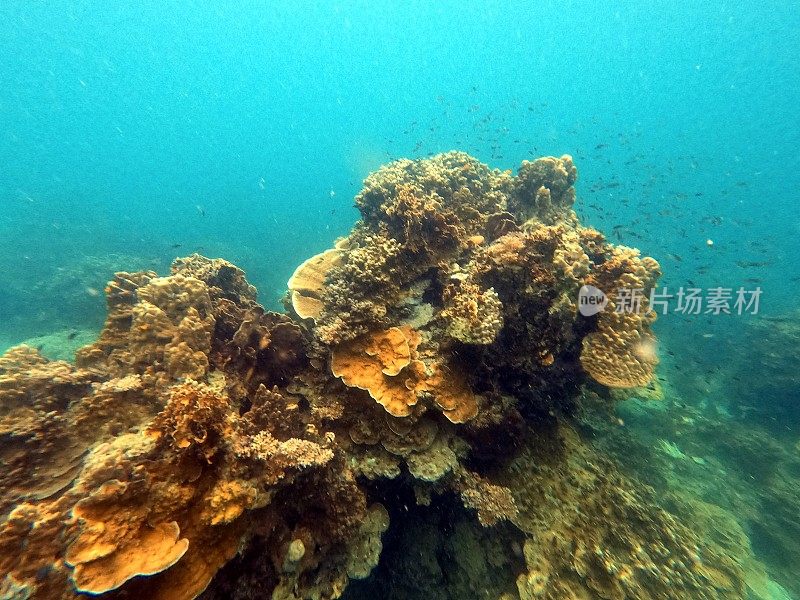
(735, 482)
(591, 534)
(203, 446)
(150, 477)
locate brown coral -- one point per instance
(493, 503)
(34, 392)
(359, 290)
(307, 284)
(592, 533)
(224, 279)
(194, 420)
(432, 200)
(364, 554)
(259, 347)
(473, 316)
(445, 333)
(106, 554)
(154, 512)
(621, 353)
(374, 363)
(544, 189)
(384, 364)
(155, 325)
(452, 393)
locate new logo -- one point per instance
(591, 300)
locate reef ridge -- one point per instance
(204, 446)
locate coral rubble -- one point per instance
(203, 445)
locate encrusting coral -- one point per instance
(474, 316)
(204, 445)
(590, 533)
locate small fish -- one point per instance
(200, 210)
(746, 264)
(72, 335)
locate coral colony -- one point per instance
(205, 445)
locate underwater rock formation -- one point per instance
(735, 482)
(203, 445)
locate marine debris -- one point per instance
(203, 445)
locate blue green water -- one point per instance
(244, 130)
(132, 133)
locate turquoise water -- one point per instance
(132, 134)
(244, 131)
